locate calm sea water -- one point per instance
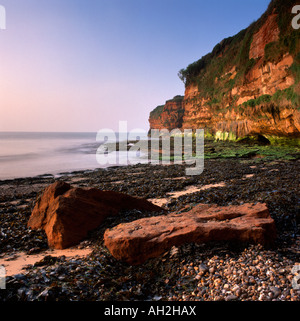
(32, 154)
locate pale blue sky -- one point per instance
(83, 65)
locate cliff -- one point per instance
(249, 83)
(168, 116)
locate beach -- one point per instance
(214, 271)
(132, 173)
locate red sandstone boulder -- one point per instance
(67, 214)
(145, 238)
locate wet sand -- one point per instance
(15, 264)
(189, 190)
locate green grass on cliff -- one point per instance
(208, 72)
(286, 94)
(155, 113)
(295, 68)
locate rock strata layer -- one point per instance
(67, 213)
(249, 84)
(146, 238)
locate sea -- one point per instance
(30, 154)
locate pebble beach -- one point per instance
(216, 271)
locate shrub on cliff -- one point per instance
(155, 113)
(233, 51)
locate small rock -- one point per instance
(212, 270)
(174, 251)
(203, 268)
(34, 250)
(238, 292)
(235, 288)
(276, 291)
(47, 260)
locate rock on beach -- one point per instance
(137, 241)
(68, 213)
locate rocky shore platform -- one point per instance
(213, 271)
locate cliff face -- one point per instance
(240, 112)
(168, 116)
(248, 84)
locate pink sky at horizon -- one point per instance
(85, 65)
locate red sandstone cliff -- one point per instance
(168, 116)
(249, 83)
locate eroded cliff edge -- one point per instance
(249, 83)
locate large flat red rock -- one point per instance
(146, 238)
(67, 213)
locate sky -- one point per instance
(85, 65)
